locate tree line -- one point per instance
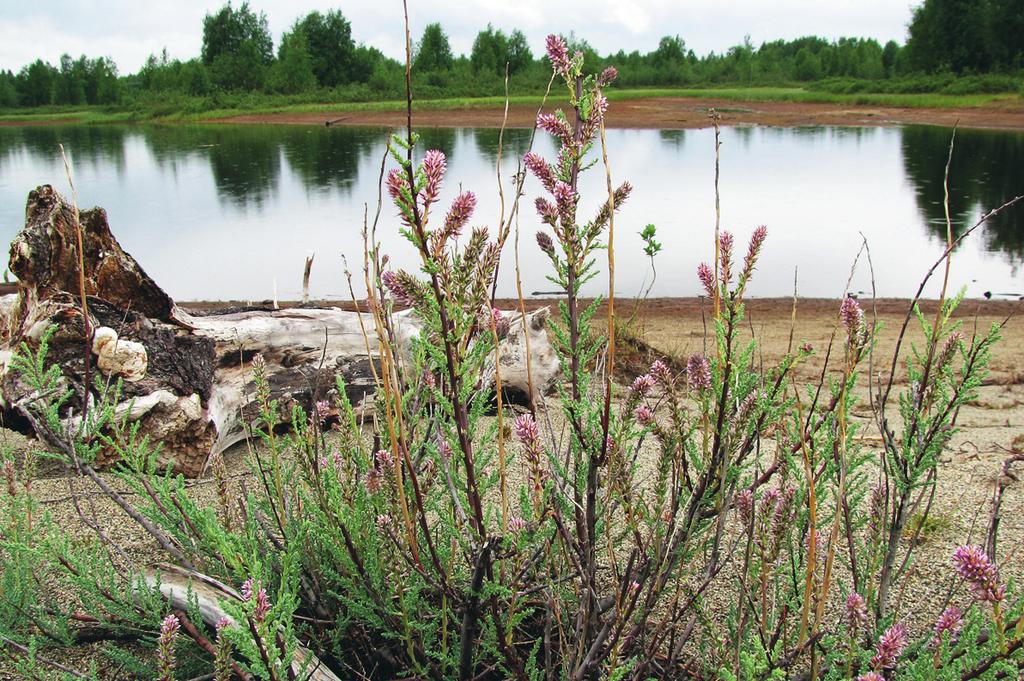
(318, 54)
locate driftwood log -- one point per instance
(187, 376)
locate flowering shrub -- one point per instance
(713, 523)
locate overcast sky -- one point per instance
(130, 30)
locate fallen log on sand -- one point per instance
(187, 377)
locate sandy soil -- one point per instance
(673, 113)
(968, 469)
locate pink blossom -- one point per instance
(460, 213)
(247, 589)
(393, 283)
(262, 607)
(950, 622)
(165, 646)
(565, 199)
(698, 372)
(607, 76)
(871, 676)
(856, 611)
(547, 212)
(555, 126)
(745, 506)
(725, 255)
(525, 429)
(374, 481)
(545, 242)
(253, 591)
(558, 53)
(540, 169)
(891, 645)
(434, 167)
(660, 371)
(397, 183)
(384, 459)
(756, 241)
(974, 566)
(707, 279)
(517, 524)
(852, 316)
(642, 384)
(643, 414)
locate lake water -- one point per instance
(225, 212)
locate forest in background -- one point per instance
(953, 47)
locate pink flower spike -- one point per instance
(525, 429)
(395, 182)
(558, 53)
(393, 283)
(642, 384)
(745, 506)
(974, 566)
(384, 458)
(565, 198)
(698, 372)
(517, 524)
(950, 622)
(555, 126)
(852, 316)
(643, 414)
(434, 167)
(165, 647)
(856, 611)
(247, 589)
(891, 645)
(725, 255)
(547, 212)
(707, 279)
(607, 76)
(262, 607)
(540, 169)
(460, 213)
(545, 243)
(871, 676)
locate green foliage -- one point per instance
(237, 47)
(293, 70)
(433, 51)
(651, 245)
(237, 56)
(966, 36)
(328, 38)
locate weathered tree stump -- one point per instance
(187, 377)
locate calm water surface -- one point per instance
(224, 212)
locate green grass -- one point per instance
(272, 105)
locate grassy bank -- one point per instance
(200, 109)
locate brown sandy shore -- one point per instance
(675, 113)
(991, 426)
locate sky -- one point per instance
(128, 31)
